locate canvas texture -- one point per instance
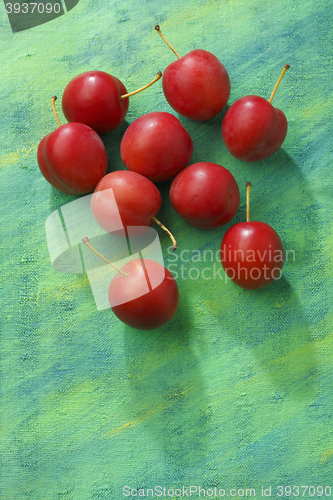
(235, 392)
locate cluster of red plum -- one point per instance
(157, 148)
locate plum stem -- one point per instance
(248, 190)
(285, 67)
(53, 100)
(89, 245)
(157, 77)
(157, 28)
(167, 231)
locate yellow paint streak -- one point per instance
(133, 422)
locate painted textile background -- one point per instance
(235, 392)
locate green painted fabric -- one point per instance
(235, 393)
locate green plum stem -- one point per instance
(285, 67)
